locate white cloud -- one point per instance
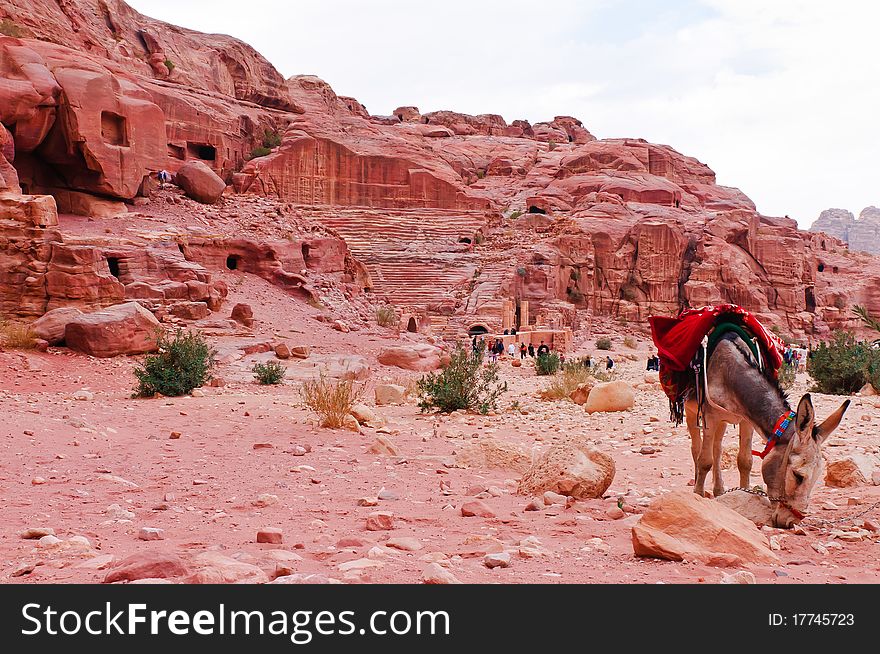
(779, 98)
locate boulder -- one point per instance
(652, 377)
(147, 565)
(581, 393)
(366, 416)
(610, 396)
(301, 352)
(244, 314)
(199, 182)
(390, 394)
(282, 351)
(754, 507)
(348, 367)
(216, 568)
(121, 329)
(851, 470)
(51, 325)
(867, 390)
(681, 526)
(420, 357)
(384, 447)
(574, 469)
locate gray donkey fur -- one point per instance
(741, 395)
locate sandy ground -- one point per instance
(105, 467)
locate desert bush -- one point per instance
(260, 151)
(271, 139)
(269, 374)
(630, 342)
(547, 364)
(521, 271)
(169, 65)
(464, 384)
(844, 365)
(516, 214)
(787, 374)
(572, 375)
(16, 336)
(386, 316)
(331, 399)
(183, 363)
(601, 375)
(575, 296)
(8, 28)
(603, 343)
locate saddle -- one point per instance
(680, 344)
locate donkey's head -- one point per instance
(792, 469)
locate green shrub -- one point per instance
(844, 365)
(269, 374)
(575, 296)
(521, 271)
(260, 151)
(629, 293)
(575, 274)
(271, 139)
(464, 384)
(169, 65)
(547, 364)
(182, 364)
(516, 214)
(479, 238)
(787, 376)
(331, 399)
(551, 145)
(630, 342)
(603, 343)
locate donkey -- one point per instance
(739, 393)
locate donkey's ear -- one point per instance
(831, 423)
(806, 415)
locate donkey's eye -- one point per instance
(798, 478)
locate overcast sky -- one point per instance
(779, 97)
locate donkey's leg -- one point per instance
(707, 453)
(744, 458)
(690, 414)
(717, 437)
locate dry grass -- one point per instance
(563, 384)
(630, 342)
(17, 336)
(331, 399)
(386, 316)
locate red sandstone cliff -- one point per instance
(563, 220)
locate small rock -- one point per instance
(554, 498)
(615, 513)
(741, 577)
(380, 521)
(368, 501)
(36, 533)
(476, 509)
(174, 435)
(647, 449)
(151, 533)
(405, 544)
(497, 560)
(435, 573)
(48, 541)
(84, 395)
(265, 500)
(384, 447)
(535, 505)
(38, 481)
(270, 535)
(387, 495)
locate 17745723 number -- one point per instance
(812, 620)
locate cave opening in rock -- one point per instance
(478, 330)
(810, 299)
(465, 240)
(176, 151)
(113, 265)
(203, 151)
(835, 270)
(113, 129)
(821, 267)
(412, 326)
(232, 261)
(538, 210)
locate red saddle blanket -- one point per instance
(677, 339)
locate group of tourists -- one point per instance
(796, 357)
(653, 363)
(495, 348)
